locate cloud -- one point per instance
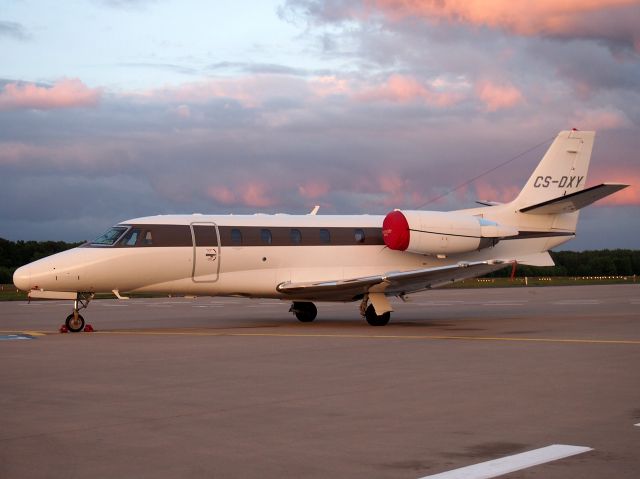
(250, 91)
(314, 189)
(600, 119)
(258, 68)
(497, 96)
(605, 20)
(254, 194)
(13, 30)
(66, 93)
(405, 89)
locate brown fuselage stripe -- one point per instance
(206, 235)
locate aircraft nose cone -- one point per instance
(22, 278)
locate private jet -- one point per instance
(306, 259)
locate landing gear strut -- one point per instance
(75, 321)
(304, 311)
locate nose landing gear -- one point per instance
(75, 321)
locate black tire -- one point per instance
(305, 312)
(74, 326)
(376, 320)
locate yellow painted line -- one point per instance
(371, 336)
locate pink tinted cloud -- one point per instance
(251, 91)
(406, 89)
(486, 191)
(256, 194)
(626, 175)
(600, 119)
(251, 193)
(221, 194)
(313, 189)
(66, 93)
(498, 96)
(566, 19)
(323, 86)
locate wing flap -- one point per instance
(396, 282)
(574, 201)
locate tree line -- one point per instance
(615, 262)
(606, 262)
(14, 254)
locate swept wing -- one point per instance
(391, 283)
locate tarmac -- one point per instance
(231, 387)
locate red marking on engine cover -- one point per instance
(395, 231)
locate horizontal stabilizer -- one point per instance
(488, 203)
(574, 201)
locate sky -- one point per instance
(115, 109)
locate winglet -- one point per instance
(315, 209)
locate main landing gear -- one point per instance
(369, 313)
(75, 321)
(376, 319)
(304, 311)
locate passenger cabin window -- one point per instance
(325, 236)
(148, 239)
(296, 236)
(265, 236)
(236, 236)
(110, 237)
(359, 235)
(131, 237)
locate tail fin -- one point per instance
(562, 171)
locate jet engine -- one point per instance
(441, 233)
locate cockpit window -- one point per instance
(148, 239)
(110, 237)
(131, 238)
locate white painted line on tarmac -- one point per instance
(502, 304)
(577, 301)
(505, 465)
(637, 424)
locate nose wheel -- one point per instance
(74, 322)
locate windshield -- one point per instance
(110, 236)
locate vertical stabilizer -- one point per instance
(562, 171)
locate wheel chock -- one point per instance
(63, 329)
(88, 329)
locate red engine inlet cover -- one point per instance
(395, 231)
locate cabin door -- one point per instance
(206, 252)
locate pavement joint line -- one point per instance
(371, 336)
(345, 336)
(515, 462)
